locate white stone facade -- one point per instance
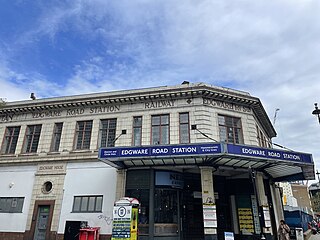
(75, 172)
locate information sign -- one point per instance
(158, 151)
(121, 222)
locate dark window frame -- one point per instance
(183, 124)
(32, 138)
(237, 133)
(56, 137)
(86, 210)
(8, 207)
(81, 133)
(107, 132)
(10, 140)
(137, 129)
(160, 126)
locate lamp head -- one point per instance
(194, 127)
(316, 110)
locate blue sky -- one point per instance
(268, 48)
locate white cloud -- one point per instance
(268, 48)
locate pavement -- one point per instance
(315, 237)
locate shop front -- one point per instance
(203, 191)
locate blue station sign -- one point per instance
(160, 151)
(269, 153)
(203, 149)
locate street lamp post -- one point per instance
(316, 111)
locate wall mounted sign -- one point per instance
(203, 149)
(269, 153)
(158, 151)
(209, 216)
(171, 179)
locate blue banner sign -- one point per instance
(159, 151)
(269, 153)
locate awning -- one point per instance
(277, 164)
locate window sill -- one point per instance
(87, 212)
(53, 153)
(27, 154)
(81, 151)
(8, 155)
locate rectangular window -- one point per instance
(160, 129)
(230, 129)
(137, 131)
(83, 135)
(32, 138)
(87, 204)
(11, 204)
(263, 142)
(107, 132)
(10, 140)
(57, 131)
(184, 128)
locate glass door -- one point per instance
(166, 213)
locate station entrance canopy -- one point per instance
(277, 164)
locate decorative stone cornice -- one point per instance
(147, 94)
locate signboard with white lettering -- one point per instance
(203, 149)
(269, 153)
(172, 179)
(228, 236)
(157, 151)
(121, 222)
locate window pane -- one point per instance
(10, 140)
(221, 120)
(184, 133)
(165, 135)
(57, 131)
(87, 204)
(32, 138)
(137, 136)
(107, 132)
(155, 135)
(11, 204)
(160, 129)
(83, 135)
(230, 129)
(184, 118)
(137, 131)
(155, 120)
(76, 204)
(137, 121)
(184, 128)
(164, 119)
(84, 204)
(91, 204)
(166, 206)
(98, 204)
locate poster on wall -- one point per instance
(245, 220)
(121, 228)
(228, 236)
(245, 214)
(255, 214)
(209, 216)
(266, 216)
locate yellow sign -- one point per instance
(134, 224)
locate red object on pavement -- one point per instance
(91, 233)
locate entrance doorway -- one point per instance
(42, 223)
(72, 229)
(192, 217)
(42, 214)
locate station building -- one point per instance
(199, 159)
